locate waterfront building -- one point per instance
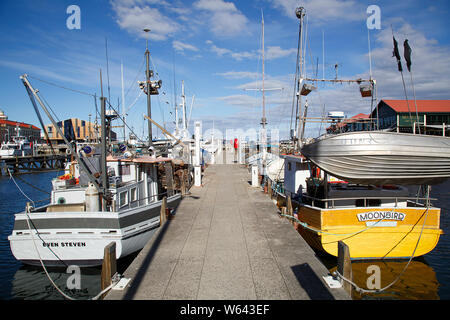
(10, 128)
(76, 129)
(433, 116)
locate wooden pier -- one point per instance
(36, 163)
(227, 242)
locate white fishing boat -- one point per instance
(376, 157)
(76, 225)
(102, 198)
(19, 146)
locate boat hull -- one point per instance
(79, 238)
(394, 237)
(382, 157)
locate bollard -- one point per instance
(255, 182)
(109, 266)
(289, 209)
(197, 176)
(162, 213)
(344, 266)
(183, 184)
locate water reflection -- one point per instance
(418, 282)
(31, 282)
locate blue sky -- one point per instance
(215, 47)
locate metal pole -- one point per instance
(263, 120)
(103, 146)
(123, 107)
(149, 103)
(300, 12)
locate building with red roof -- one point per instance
(9, 129)
(431, 116)
(359, 122)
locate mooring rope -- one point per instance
(305, 225)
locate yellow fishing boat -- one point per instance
(374, 221)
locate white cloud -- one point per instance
(181, 46)
(136, 15)
(275, 52)
(271, 52)
(223, 17)
(219, 51)
(241, 100)
(238, 75)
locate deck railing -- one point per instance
(366, 201)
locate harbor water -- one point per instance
(426, 277)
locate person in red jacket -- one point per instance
(236, 146)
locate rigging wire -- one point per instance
(136, 77)
(62, 87)
(131, 130)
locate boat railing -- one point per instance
(140, 202)
(330, 203)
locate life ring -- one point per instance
(68, 152)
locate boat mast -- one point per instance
(183, 101)
(103, 149)
(263, 119)
(300, 13)
(149, 102)
(123, 106)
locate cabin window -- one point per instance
(123, 198)
(289, 166)
(124, 169)
(368, 203)
(133, 194)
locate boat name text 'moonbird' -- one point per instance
(378, 215)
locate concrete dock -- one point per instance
(227, 242)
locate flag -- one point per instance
(396, 54)
(407, 53)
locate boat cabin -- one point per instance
(133, 182)
(296, 171)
